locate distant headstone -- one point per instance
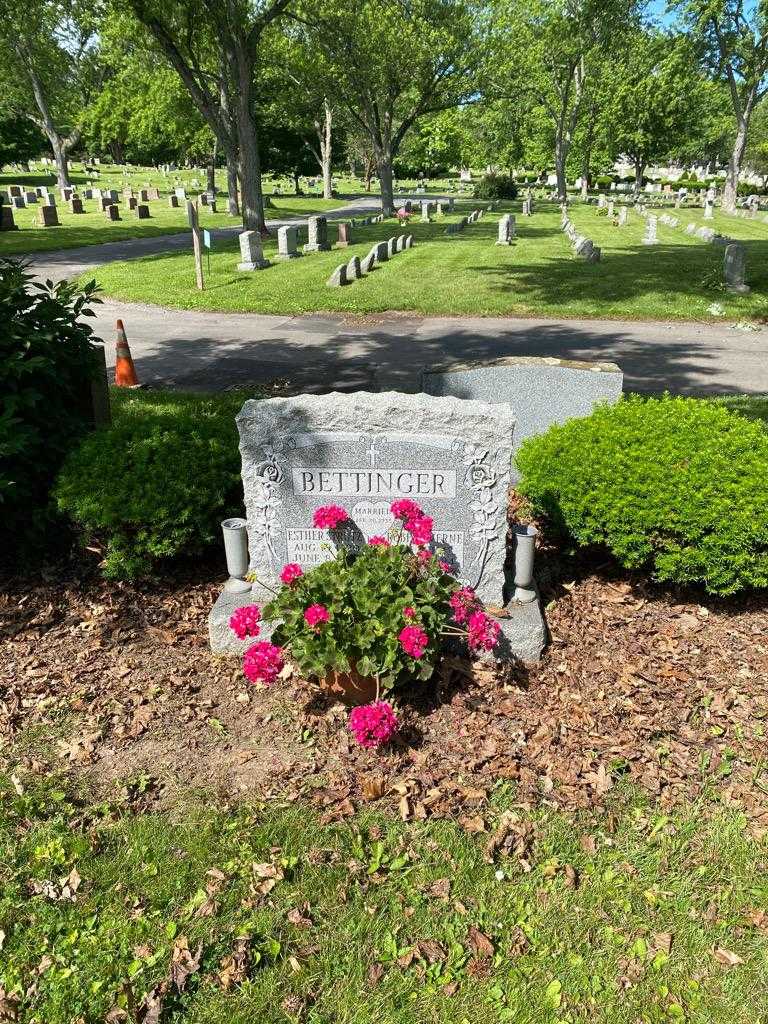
(345, 234)
(142, 212)
(76, 205)
(338, 277)
(382, 252)
(392, 246)
(17, 202)
(706, 234)
(623, 215)
(49, 218)
(287, 241)
(505, 230)
(7, 222)
(32, 197)
(650, 237)
(425, 211)
(144, 195)
(368, 262)
(709, 210)
(173, 201)
(251, 254)
(540, 391)
(14, 191)
(318, 235)
(734, 266)
(354, 270)
(400, 243)
(112, 212)
(132, 202)
(409, 241)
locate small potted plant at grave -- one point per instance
(368, 619)
(403, 215)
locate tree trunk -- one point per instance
(251, 196)
(62, 162)
(326, 151)
(731, 188)
(639, 172)
(369, 165)
(233, 201)
(561, 155)
(296, 183)
(384, 167)
(210, 175)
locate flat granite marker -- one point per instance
(454, 459)
(540, 391)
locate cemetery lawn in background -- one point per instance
(93, 228)
(271, 916)
(467, 274)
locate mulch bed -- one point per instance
(116, 683)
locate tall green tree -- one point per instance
(551, 50)
(733, 39)
(20, 140)
(389, 63)
(650, 96)
(215, 46)
(49, 70)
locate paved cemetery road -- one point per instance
(212, 351)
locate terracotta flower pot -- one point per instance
(350, 687)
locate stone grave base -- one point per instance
(523, 628)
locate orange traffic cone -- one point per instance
(125, 371)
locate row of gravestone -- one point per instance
(734, 258)
(381, 252)
(252, 255)
(459, 225)
(582, 246)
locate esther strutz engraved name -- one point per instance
(392, 483)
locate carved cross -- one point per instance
(372, 451)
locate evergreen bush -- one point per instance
(46, 367)
(678, 485)
(157, 483)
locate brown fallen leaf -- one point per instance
(295, 916)
(479, 943)
(440, 889)
(373, 787)
(726, 957)
(375, 974)
(662, 941)
(432, 951)
(233, 969)
(183, 962)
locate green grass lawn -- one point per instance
(633, 916)
(678, 279)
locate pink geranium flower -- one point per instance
(420, 529)
(413, 640)
(373, 724)
(263, 662)
(292, 571)
(463, 602)
(329, 516)
(380, 542)
(245, 621)
(409, 612)
(316, 615)
(483, 632)
(404, 508)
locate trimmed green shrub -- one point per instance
(496, 186)
(679, 485)
(158, 482)
(46, 366)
